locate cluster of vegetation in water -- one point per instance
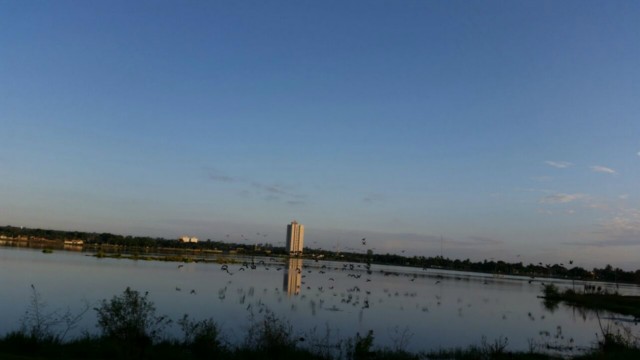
(593, 297)
(130, 328)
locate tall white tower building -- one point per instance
(295, 238)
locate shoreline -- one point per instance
(200, 255)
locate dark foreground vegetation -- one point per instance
(131, 329)
(111, 244)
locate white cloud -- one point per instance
(602, 169)
(599, 206)
(558, 164)
(561, 198)
(638, 153)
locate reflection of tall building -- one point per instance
(292, 280)
(295, 238)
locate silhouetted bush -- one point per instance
(361, 347)
(271, 334)
(202, 337)
(130, 320)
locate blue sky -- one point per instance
(508, 129)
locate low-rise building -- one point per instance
(74, 242)
(188, 239)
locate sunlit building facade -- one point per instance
(295, 238)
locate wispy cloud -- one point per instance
(558, 164)
(627, 221)
(216, 175)
(483, 240)
(623, 229)
(621, 241)
(542, 178)
(275, 189)
(613, 240)
(269, 192)
(602, 169)
(599, 205)
(561, 198)
(545, 212)
(270, 197)
(373, 198)
(535, 190)
(277, 192)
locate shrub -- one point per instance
(130, 319)
(361, 348)
(201, 337)
(615, 338)
(271, 335)
(495, 349)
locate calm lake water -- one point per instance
(437, 308)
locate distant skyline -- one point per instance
(509, 129)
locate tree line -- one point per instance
(568, 271)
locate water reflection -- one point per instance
(443, 309)
(551, 304)
(292, 279)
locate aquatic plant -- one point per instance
(626, 305)
(550, 291)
